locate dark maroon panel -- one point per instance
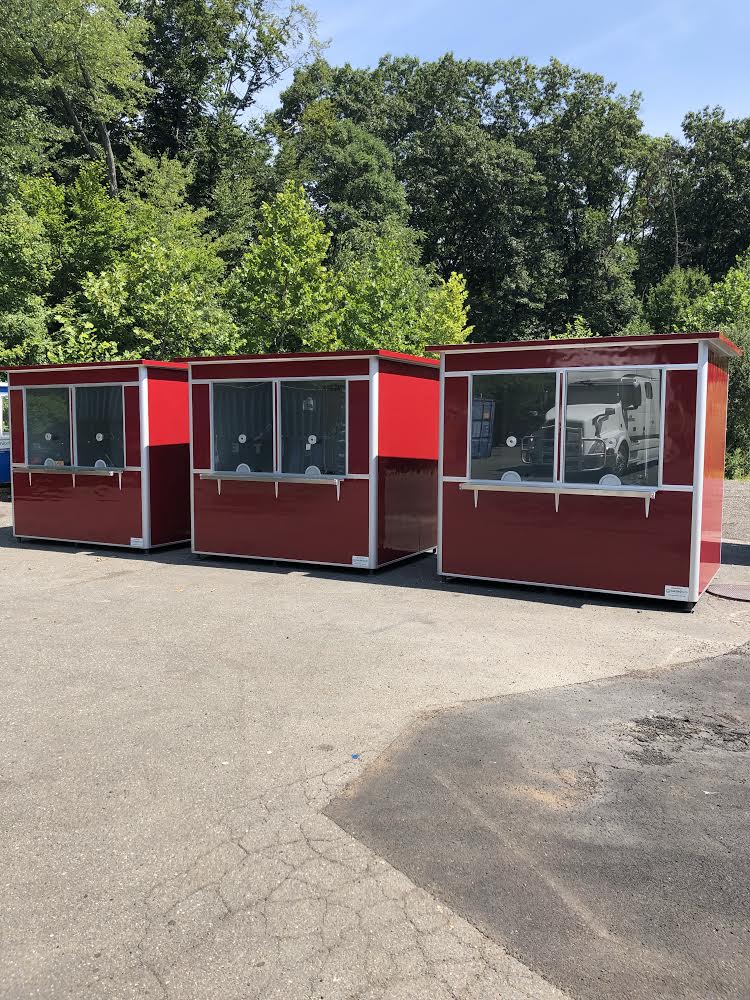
(17, 435)
(283, 369)
(408, 408)
(359, 427)
(679, 428)
(132, 426)
(306, 523)
(83, 376)
(601, 543)
(455, 430)
(429, 372)
(713, 471)
(407, 507)
(201, 427)
(572, 357)
(94, 510)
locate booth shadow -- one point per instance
(416, 573)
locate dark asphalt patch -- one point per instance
(600, 832)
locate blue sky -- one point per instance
(679, 55)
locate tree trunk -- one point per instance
(109, 157)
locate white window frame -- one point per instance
(32, 388)
(243, 381)
(558, 482)
(74, 422)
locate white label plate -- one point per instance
(137, 543)
(361, 562)
(677, 593)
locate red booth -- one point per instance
(593, 464)
(324, 458)
(100, 453)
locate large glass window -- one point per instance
(4, 417)
(613, 427)
(48, 426)
(99, 429)
(313, 428)
(513, 427)
(243, 426)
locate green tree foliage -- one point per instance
(669, 304)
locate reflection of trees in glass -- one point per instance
(99, 430)
(48, 426)
(4, 415)
(243, 426)
(313, 427)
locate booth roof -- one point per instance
(716, 340)
(136, 362)
(313, 355)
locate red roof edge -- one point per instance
(312, 356)
(715, 339)
(135, 363)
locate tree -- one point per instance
(389, 300)
(669, 304)
(81, 62)
(283, 295)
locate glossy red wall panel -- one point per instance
(330, 367)
(358, 429)
(169, 456)
(573, 357)
(408, 406)
(679, 427)
(407, 507)
(17, 425)
(83, 376)
(201, 427)
(305, 522)
(599, 543)
(132, 405)
(455, 429)
(713, 471)
(94, 510)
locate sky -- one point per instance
(681, 56)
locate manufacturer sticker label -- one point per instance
(137, 543)
(361, 562)
(677, 593)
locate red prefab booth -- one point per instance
(593, 464)
(324, 458)
(100, 453)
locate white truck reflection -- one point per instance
(611, 424)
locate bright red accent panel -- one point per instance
(601, 543)
(455, 429)
(713, 471)
(408, 407)
(17, 435)
(304, 523)
(94, 510)
(358, 429)
(132, 426)
(88, 376)
(169, 456)
(340, 367)
(201, 427)
(407, 507)
(679, 427)
(573, 357)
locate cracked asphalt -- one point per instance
(171, 731)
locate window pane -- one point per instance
(4, 415)
(612, 426)
(313, 427)
(243, 426)
(99, 433)
(48, 426)
(513, 426)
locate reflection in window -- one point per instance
(99, 430)
(48, 426)
(243, 426)
(4, 418)
(612, 426)
(513, 427)
(313, 428)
